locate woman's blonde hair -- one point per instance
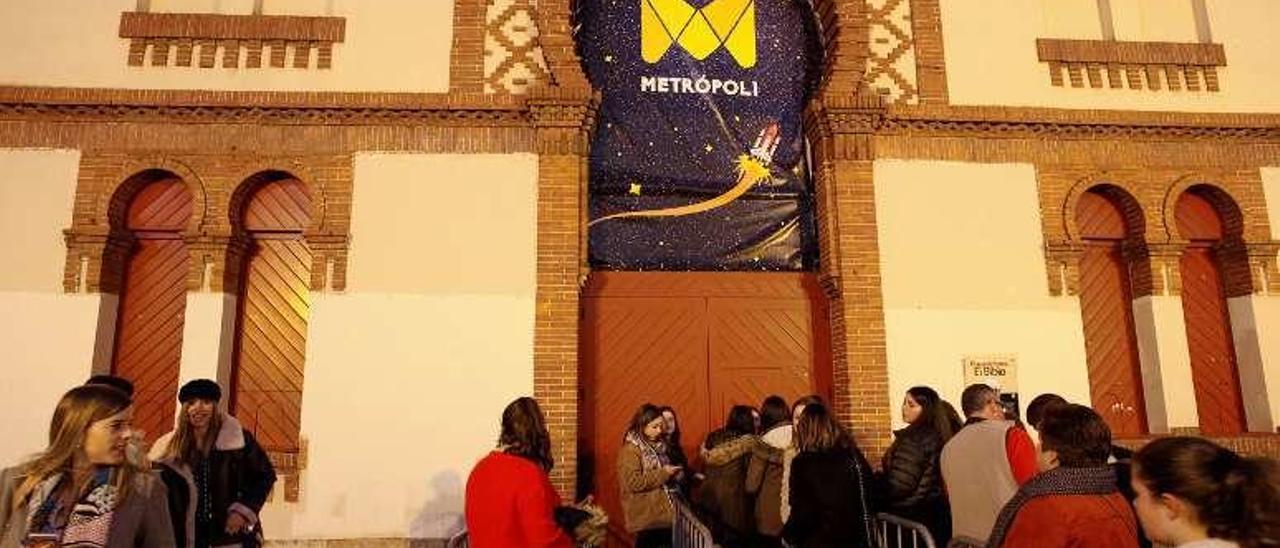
(78, 409)
(185, 447)
(817, 431)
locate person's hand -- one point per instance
(670, 470)
(236, 523)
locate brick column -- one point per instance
(841, 130)
(561, 118)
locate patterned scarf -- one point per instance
(652, 455)
(1059, 481)
(89, 522)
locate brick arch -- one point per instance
(260, 175)
(1120, 192)
(1232, 249)
(1223, 200)
(842, 25)
(113, 203)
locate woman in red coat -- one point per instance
(510, 501)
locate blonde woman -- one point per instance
(82, 490)
(218, 475)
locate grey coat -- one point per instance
(142, 520)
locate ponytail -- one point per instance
(1248, 508)
(1236, 498)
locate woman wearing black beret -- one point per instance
(217, 474)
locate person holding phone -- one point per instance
(644, 477)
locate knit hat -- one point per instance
(203, 389)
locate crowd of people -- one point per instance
(96, 486)
(777, 475)
(793, 475)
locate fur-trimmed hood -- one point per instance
(778, 437)
(230, 438)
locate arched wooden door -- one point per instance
(274, 306)
(153, 301)
(1204, 306)
(1106, 307)
(699, 342)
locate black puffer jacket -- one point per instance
(911, 473)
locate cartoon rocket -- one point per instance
(766, 143)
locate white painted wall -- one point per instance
(391, 45)
(408, 371)
(991, 52)
(962, 267)
(47, 336)
(1166, 363)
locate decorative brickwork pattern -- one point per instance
(513, 59)
(198, 38)
(891, 70)
(1135, 64)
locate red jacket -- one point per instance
(1101, 521)
(510, 502)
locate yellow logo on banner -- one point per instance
(700, 31)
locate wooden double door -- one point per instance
(698, 342)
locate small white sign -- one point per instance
(1000, 372)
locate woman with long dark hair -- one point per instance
(675, 450)
(1194, 493)
(764, 470)
(510, 500)
(644, 477)
(911, 478)
(83, 489)
(218, 476)
(830, 486)
(723, 497)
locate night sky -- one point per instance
(659, 150)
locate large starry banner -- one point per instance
(698, 158)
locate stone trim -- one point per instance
(258, 107)
(1183, 64)
(161, 33)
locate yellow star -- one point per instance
(708, 148)
(635, 189)
(608, 58)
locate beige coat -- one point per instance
(645, 502)
(142, 520)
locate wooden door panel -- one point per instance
(272, 343)
(1213, 362)
(758, 347)
(698, 342)
(1111, 350)
(148, 344)
(639, 350)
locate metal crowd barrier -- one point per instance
(688, 531)
(459, 540)
(894, 531)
